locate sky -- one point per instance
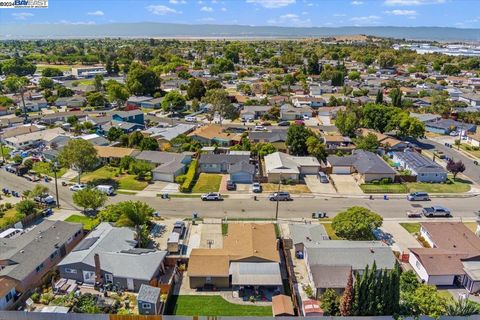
(291, 13)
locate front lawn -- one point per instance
(295, 188)
(45, 168)
(88, 223)
(213, 306)
(331, 233)
(383, 188)
(474, 153)
(207, 182)
(453, 186)
(124, 181)
(412, 227)
(9, 216)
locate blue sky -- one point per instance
(296, 13)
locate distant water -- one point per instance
(451, 50)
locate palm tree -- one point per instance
(136, 214)
(462, 308)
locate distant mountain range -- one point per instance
(169, 30)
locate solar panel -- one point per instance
(86, 244)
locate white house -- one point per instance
(282, 166)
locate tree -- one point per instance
(26, 207)
(219, 100)
(462, 308)
(114, 133)
(125, 162)
(296, 142)
(149, 143)
(195, 89)
(356, 223)
(455, 167)
(38, 191)
(396, 96)
(263, 148)
(346, 303)
(117, 93)
(97, 82)
(135, 214)
(425, 300)
(80, 154)
(45, 83)
(450, 69)
(173, 101)
(90, 198)
(330, 303)
(313, 67)
(96, 99)
(17, 84)
(18, 66)
(379, 97)
(354, 75)
(135, 139)
(347, 122)
(316, 148)
(141, 80)
(64, 92)
(369, 142)
(52, 72)
(386, 59)
(141, 168)
(408, 282)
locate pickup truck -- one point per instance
(31, 177)
(436, 211)
(45, 199)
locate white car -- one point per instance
(256, 187)
(305, 117)
(212, 196)
(259, 128)
(78, 187)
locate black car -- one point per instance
(231, 185)
(283, 124)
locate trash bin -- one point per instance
(385, 197)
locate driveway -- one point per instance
(402, 239)
(315, 186)
(345, 184)
(153, 189)
(211, 236)
(325, 120)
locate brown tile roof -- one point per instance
(19, 131)
(7, 284)
(334, 138)
(382, 138)
(114, 152)
(215, 131)
(282, 305)
(208, 262)
(439, 262)
(453, 236)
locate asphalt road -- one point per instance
(249, 208)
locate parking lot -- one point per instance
(345, 184)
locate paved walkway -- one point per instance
(401, 238)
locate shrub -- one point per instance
(475, 148)
(386, 181)
(424, 242)
(468, 148)
(46, 298)
(180, 179)
(308, 291)
(189, 177)
(35, 297)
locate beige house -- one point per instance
(282, 166)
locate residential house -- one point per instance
(152, 104)
(16, 131)
(474, 139)
(164, 133)
(35, 105)
(169, 165)
(454, 256)
(107, 153)
(71, 102)
(425, 117)
(288, 112)
(215, 134)
(368, 165)
(148, 300)
(310, 102)
(275, 137)
(132, 116)
(95, 139)
(27, 258)
(253, 112)
(472, 99)
(330, 263)
(33, 139)
(87, 72)
(249, 258)
(238, 166)
(281, 166)
(306, 233)
(446, 126)
(136, 101)
(338, 143)
(422, 167)
(386, 142)
(110, 255)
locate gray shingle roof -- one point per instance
(330, 276)
(148, 294)
(419, 163)
(242, 166)
(212, 158)
(363, 161)
(303, 233)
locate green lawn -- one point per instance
(213, 306)
(475, 153)
(411, 227)
(125, 181)
(207, 182)
(10, 216)
(88, 223)
(224, 229)
(4, 152)
(62, 67)
(44, 168)
(331, 233)
(383, 188)
(455, 186)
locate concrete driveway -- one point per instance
(211, 236)
(402, 240)
(315, 186)
(345, 184)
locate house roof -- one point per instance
(364, 162)
(45, 135)
(382, 138)
(335, 276)
(282, 305)
(168, 133)
(452, 236)
(440, 262)
(211, 132)
(148, 294)
(446, 124)
(251, 273)
(303, 233)
(114, 152)
(6, 285)
(19, 131)
(419, 163)
(279, 162)
(242, 166)
(268, 136)
(213, 158)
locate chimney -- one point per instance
(98, 270)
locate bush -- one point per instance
(46, 298)
(468, 148)
(309, 291)
(35, 297)
(475, 148)
(386, 181)
(189, 177)
(424, 242)
(180, 179)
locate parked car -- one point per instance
(11, 168)
(283, 123)
(439, 154)
(256, 187)
(319, 215)
(109, 190)
(259, 128)
(414, 213)
(231, 185)
(418, 196)
(280, 196)
(212, 196)
(45, 199)
(305, 117)
(436, 211)
(190, 119)
(78, 187)
(323, 177)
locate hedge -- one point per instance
(189, 177)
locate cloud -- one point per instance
(177, 1)
(223, 9)
(76, 22)
(97, 13)
(399, 12)
(22, 15)
(162, 10)
(356, 3)
(365, 20)
(290, 19)
(412, 2)
(339, 15)
(206, 9)
(271, 4)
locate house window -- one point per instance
(208, 279)
(69, 239)
(417, 264)
(68, 270)
(38, 268)
(9, 296)
(146, 306)
(53, 255)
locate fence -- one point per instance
(25, 221)
(403, 179)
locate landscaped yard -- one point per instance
(296, 188)
(456, 186)
(125, 181)
(207, 182)
(412, 227)
(475, 153)
(331, 233)
(45, 168)
(383, 188)
(88, 223)
(62, 67)
(213, 306)
(8, 217)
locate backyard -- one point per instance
(125, 181)
(9, 216)
(295, 188)
(213, 306)
(454, 186)
(207, 182)
(88, 223)
(331, 233)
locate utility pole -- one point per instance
(55, 169)
(171, 113)
(278, 198)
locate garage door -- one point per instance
(163, 177)
(241, 177)
(341, 170)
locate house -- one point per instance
(368, 165)
(152, 104)
(164, 133)
(148, 300)
(474, 139)
(71, 102)
(16, 131)
(425, 117)
(136, 101)
(306, 233)
(27, 258)
(32, 139)
(386, 142)
(132, 116)
(275, 137)
(86, 72)
(445, 126)
(454, 256)
(249, 258)
(110, 255)
(35, 105)
(169, 165)
(107, 153)
(237, 165)
(281, 166)
(472, 99)
(330, 263)
(288, 112)
(215, 134)
(282, 306)
(423, 168)
(309, 102)
(95, 139)
(253, 112)
(126, 127)
(336, 143)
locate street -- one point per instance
(262, 208)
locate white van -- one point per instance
(106, 189)
(191, 119)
